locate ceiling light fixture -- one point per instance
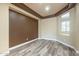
(47, 8)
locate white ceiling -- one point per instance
(40, 8)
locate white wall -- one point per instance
(77, 28)
(48, 28)
(73, 39)
(4, 28)
(68, 39)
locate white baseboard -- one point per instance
(66, 44)
(62, 43)
(21, 44)
(4, 53)
(69, 46)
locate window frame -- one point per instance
(60, 29)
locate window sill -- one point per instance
(65, 34)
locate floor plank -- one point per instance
(43, 48)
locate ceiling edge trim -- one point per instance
(24, 7)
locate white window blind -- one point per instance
(65, 23)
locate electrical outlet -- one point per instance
(26, 38)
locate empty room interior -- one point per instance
(39, 29)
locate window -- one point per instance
(65, 23)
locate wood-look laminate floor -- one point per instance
(43, 48)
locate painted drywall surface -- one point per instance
(68, 39)
(48, 28)
(77, 28)
(72, 26)
(4, 28)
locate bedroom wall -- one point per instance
(31, 30)
(73, 39)
(4, 27)
(48, 28)
(4, 24)
(21, 28)
(63, 37)
(77, 28)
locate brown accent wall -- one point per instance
(21, 27)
